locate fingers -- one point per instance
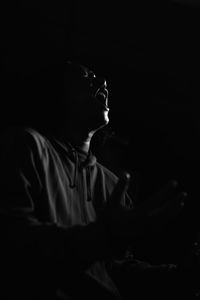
(155, 219)
(181, 198)
(175, 206)
(120, 190)
(164, 195)
(166, 213)
(166, 192)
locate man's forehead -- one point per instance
(80, 70)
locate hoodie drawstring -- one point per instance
(73, 181)
(88, 163)
(88, 180)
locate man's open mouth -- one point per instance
(102, 96)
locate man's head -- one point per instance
(86, 97)
(64, 95)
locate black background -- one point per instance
(149, 53)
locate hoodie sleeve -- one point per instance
(25, 237)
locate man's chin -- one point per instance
(106, 119)
(102, 122)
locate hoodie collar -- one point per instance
(85, 159)
(80, 158)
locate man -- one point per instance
(65, 218)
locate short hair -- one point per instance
(41, 98)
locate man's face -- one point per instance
(89, 98)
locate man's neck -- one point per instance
(77, 138)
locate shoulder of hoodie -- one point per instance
(109, 175)
(19, 139)
(22, 138)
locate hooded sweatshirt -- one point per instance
(52, 195)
